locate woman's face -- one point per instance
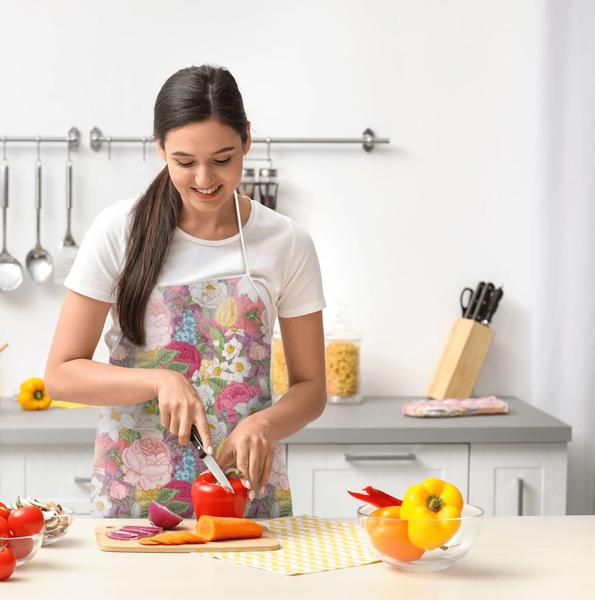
(205, 162)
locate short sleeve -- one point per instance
(100, 255)
(301, 292)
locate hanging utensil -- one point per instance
(11, 271)
(68, 248)
(38, 261)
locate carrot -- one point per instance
(210, 528)
(172, 538)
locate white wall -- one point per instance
(457, 85)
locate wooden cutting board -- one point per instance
(266, 542)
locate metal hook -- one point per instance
(269, 159)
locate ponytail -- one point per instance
(154, 220)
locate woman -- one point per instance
(193, 276)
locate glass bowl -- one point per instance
(390, 538)
(24, 547)
(56, 524)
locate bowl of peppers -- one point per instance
(430, 529)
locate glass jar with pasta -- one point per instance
(342, 357)
(279, 376)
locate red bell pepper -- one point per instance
(380, 494)
(211, 498)
(376, 497)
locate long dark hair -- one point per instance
(193, 94)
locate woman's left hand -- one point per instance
(249, 446)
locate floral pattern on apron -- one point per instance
(216, 333)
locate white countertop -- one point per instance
(517, 557)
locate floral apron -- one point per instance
(216, 332)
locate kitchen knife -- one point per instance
(480, 301)
(493, 305)
(473, 300)
(211, 463)
(483, 308)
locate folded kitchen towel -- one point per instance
(308, 545)
(454, 407)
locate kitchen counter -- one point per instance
(516, 557)
(376, 420)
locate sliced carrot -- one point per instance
(172, 538)
(210, 528)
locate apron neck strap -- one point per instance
(237, 205)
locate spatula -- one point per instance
(68, 248)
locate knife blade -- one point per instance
(209, 461)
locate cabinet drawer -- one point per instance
(518, 479)
(52, 472)
(321, 474)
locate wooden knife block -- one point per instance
(461, 360)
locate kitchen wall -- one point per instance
(476, 96)
(456, 85)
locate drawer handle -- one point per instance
(520, 488)
(357, 457)
(81, 479)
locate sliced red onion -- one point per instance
(141, 529)
(133, 532)
(122, 535)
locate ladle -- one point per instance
(11, 271)
(39, 261)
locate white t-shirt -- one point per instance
(281, 258)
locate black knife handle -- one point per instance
(494, 301)
(483, 309)
(195, 439)
(473, 300)
(480, 302)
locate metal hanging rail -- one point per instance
(72, 139)
(368, 140)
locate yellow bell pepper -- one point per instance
(432, 509)
(33, 395)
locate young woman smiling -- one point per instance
(193, 277)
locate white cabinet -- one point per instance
(321, 474)
(518, 479)
(502, 478)
(48, 472)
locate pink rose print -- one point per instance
(248, 309)
(158, 325)
(231, 395)
(147, 463)
(187, 354)
(257, 351)
(117, 490)
(105, 445)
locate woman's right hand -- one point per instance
(180, 407)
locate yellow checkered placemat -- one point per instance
(308, 545)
